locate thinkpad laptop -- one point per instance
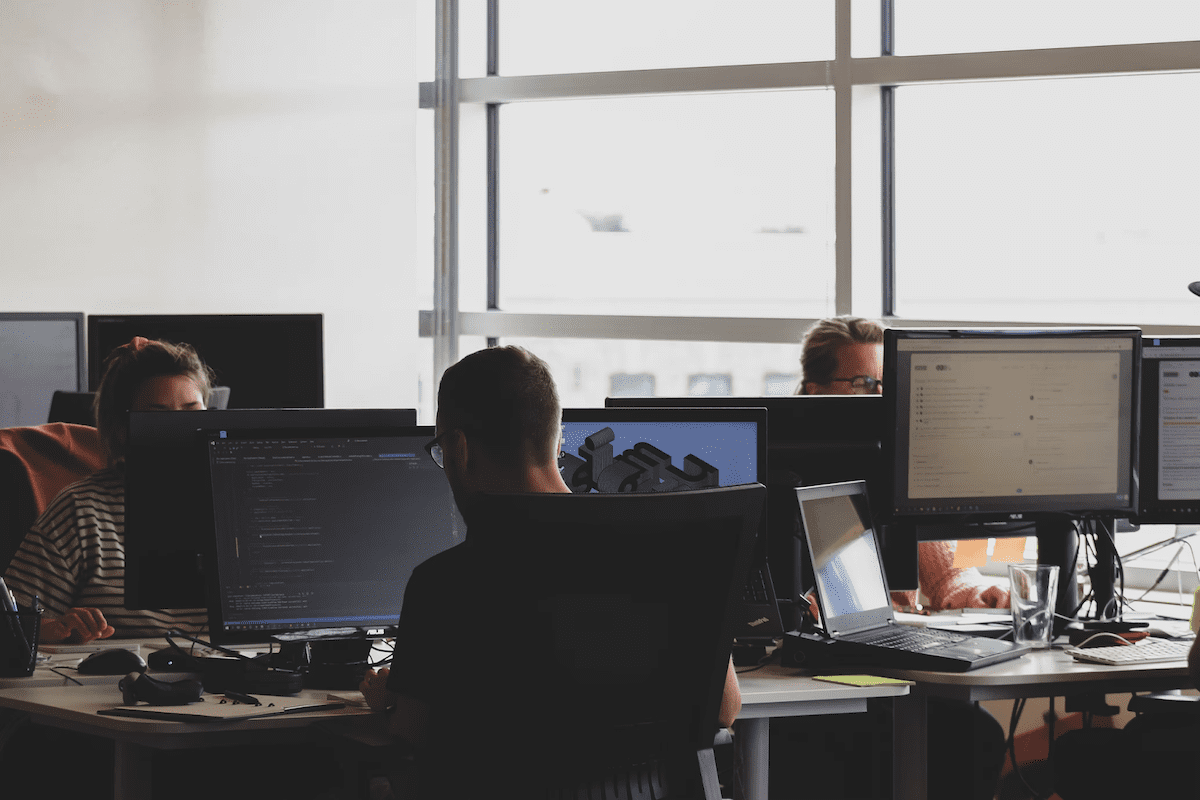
(853, 596)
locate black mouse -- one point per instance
(112, 662)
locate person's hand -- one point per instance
(77, 626)
(374, 689)
(814, 611)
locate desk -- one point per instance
(1042, 673)
(774, 691)
(74, 708)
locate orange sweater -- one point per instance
(54, 455)
(947, 586)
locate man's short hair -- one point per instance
(821, 342)
(505, 399)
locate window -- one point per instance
(710, 385)
(674, 200)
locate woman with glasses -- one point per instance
(842, 355)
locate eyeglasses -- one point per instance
(861, 384)
(435, 450)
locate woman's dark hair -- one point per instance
(125, 369)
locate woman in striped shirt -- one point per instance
(73, 558)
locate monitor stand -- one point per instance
(1058, 543)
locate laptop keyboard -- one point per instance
(756, 588)
(913, 640)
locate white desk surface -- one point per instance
(76, 707)
(1041, 673)
(775, 691)
(1044, 673)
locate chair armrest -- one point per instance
(1168, 702)
(724, 736)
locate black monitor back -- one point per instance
(168, 498)
(267, 360)
(812, 439)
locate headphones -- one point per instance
(139, 686)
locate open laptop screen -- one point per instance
(852, 590)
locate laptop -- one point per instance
(853, 595)
(760, 618)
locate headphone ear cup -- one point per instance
(135, 687)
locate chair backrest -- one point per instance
(219, 397)
(36, 463)
(609, 628)
(73, 407)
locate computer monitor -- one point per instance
(1028, 425)
(317, 531)
(40, 353)
(811, 439)
(267, 360)
(168, 501)
(662, 449)
(1170, 436)
(1011, 424)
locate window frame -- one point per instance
(864, 210)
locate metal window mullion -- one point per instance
(842, 173)
(887, 178)
(445, 246)
(493, 167)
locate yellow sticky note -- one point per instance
(970, 553)
(860, 680)
(1010, 551)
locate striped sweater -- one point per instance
(74, 556)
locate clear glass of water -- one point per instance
(1034, 588)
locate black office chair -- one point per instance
(74, 407)
(606, 626)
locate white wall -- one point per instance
(218, 156)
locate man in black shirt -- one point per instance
(498, 431)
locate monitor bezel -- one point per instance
(78, 318)
(173, 435)
(1034, 507)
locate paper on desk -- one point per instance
(211, 709)
(860, 680)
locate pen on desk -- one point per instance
(243, 698)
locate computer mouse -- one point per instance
(112, 662)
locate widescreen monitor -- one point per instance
(316, 532)
(40, 353)
(266, 360)
(168, 502)
(1170, 435)
(1012, 423)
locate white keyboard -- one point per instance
(1147, 651)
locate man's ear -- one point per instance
(456, 447)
